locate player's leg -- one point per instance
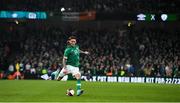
(78, 84)
(62, 73)
(56, 73)
(75, 72)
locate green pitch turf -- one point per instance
(55, 91)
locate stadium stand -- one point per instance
(157, 6)
(39, 50)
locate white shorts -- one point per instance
(70, 69)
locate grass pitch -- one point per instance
(55, 91)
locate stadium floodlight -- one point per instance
(62, 9)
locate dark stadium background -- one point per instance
(119, 44)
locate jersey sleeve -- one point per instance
(66, 52)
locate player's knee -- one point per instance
(78, 76)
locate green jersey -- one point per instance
(72, 54)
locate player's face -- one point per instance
(72, 42)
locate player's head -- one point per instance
(72, 40)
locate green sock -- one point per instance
(78, 84)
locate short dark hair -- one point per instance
(71, 37)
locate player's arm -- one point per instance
(84, 52)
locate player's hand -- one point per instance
(86, 52)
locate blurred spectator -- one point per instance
(39, 49)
